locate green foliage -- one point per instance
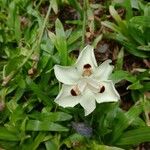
(132, 32)
(33, 38)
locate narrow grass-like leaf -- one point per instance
(135, 86)
(74, 36)
(144, 47)
(119, 63)
(131, 48)
(118, 19)
(141, 20)
(96, 146)
(97, 40)
(136, 34)
(135, 137)
(129, 13)
(36, 89)
(36, 125)
(61, 43)
(7, 135)
(39, 138)
(51, 116)
(50, 145)
(119, 75)
(111, 26)
(54, 6)
(126, 121)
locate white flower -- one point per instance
(85, 82)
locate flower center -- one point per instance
(87, 71)
(75, 91)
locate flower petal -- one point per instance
(65, 99)
(88, 102)
(109, 93)
(82, 85)
(103, 72)
(66, 75)
(93, 85)
(86, 57)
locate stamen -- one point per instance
(75, 91)
(102, 89)
(87, 71)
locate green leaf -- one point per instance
(135, 86)
(125, 121)
(13, 64)
(53, 143)
(144, 47)
(131, 47)
(115, 15)
(50, 145)
(136, 34)
(61, 43)
(111, 25)
(146, 87)
(52, 37)
(51, 116)
(119, 63)
(141, 21)
(74, 36)
(135, 137)
(40, 94)
(97, 40)
(39, 139)
(96, 146)
(118, 19)
(17, 28)
(54, 6)
(36, 125)
(119, 75)
(12, 14)
(129, 11)
(7, 145)
(7, 135)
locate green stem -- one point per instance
(39, 4)
(44, 24)
(85, 5)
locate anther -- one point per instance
(87, 71)
(87, 66)
(73, 92)
(102, 89)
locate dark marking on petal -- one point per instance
(73, 92)
(87, 66)
(102, 89)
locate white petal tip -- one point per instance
(60, 104)
(88, 48)
(108, 61)
(86, 113)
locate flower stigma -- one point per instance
(87, 71)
